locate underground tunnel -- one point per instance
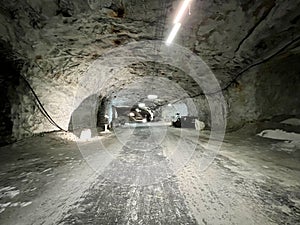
(150, 112)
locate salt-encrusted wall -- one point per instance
(57, 41)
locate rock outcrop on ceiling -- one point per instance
(228, 35)
(53, 42)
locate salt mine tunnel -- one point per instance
(150, 112)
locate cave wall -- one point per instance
(10, 93)
(278, 90)
(265, 91)
(6, 121)
(58, 40)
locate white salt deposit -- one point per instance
(280, 135)
(292, 121)
(85, 134)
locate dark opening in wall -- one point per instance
(101, 114)
(9, 80)
(84, 116)
(121, 12)
(117, 42)
(119, 9)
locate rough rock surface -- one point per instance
(56, 42)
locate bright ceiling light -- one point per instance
(177, 21)
(173, 33)
(142, 105)
(152, 97)
(181, 11)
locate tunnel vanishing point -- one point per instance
(150, 112)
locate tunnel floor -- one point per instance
(47, 180)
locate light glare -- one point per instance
(142, 105)
(173, 33)
(152, 97)
(181, 11)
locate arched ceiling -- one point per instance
(151, 78)
(55, 41)
(139, 90)
(61, 38)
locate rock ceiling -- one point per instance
(56, 41)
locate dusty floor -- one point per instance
(141, 179)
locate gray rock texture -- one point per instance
(252, 47)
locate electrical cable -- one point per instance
(40, 105)
(246, 69)
(255, 64)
